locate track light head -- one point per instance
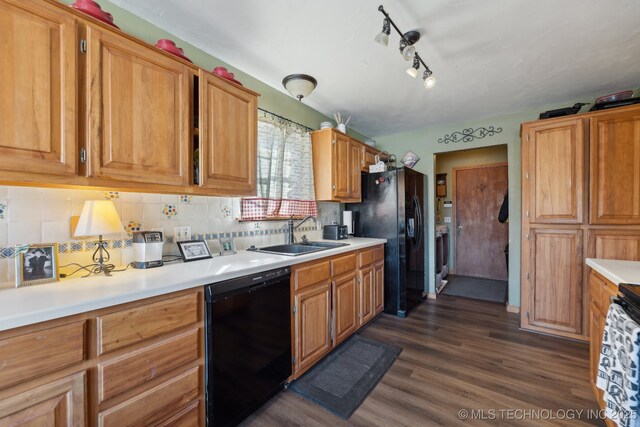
(383, 37)
(429, 80)
(413, 70)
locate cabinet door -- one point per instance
(59, 403)
(365, 294)
(378, 288)
(38, 106)
(554, 287)
(345, 309)
(615, 168)
(139, 112)
(555, 167)
(614, 244)
(312, 324)
(355, 179)
(596, 331)
(341, 171)
(228, 137)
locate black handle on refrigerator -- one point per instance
(418, 214)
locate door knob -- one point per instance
(459, 228)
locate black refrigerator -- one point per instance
(393, 208)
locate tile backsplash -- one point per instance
(42, 215)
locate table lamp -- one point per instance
(99, 217)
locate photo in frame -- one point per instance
(410, 159)
(227, 246)
(36, 264)
(194, 250)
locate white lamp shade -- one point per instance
(299, 85)
(99, 217)
(429, 82)
(413, 72)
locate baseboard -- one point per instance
(513, 308)
(431, 295)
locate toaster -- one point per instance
(334, 232)
(147, 249)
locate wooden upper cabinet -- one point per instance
(555, 291)
(228, 137)
(337, 162)
(341, 171)
(355, 179)
(38, 101)
(615, 168)
(138, 112)
(614, 244)
(554, 163)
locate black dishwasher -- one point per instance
(248, 338)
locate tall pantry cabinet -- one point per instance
(580, 199)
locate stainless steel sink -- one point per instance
(296, 249)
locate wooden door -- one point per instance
(596, 331)
(554, 288)
(614, 244)
(378, 287)
(38, 87)
(312, 324)
(615, 168)
(345, 309)
(555, 172)
(228, 137)
(479, 238)
(57, 404)
(365, 294)
(355, 179)
(139, 112)
(341, 171)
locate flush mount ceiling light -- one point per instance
(299, 85)
(407, 48)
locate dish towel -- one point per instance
(618, 373)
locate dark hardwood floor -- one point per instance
(461, 354)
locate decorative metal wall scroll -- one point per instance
(469, 134)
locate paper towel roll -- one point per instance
(347, 219)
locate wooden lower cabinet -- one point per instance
(59, 403)
(345, 307)
(312, 324)
(331, 299)
(140, 363)
(553, 298)
(600, 293)
(378, 287)
(365, 293)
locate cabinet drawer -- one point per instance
(311, 274)
(188, 417)
(369, 256)
(344, 264)
(156, 404)
(122, 328)
(30, 355)
(133, 369)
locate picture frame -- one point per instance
(410, 159)
(227, 246)
(37, 264)
(194, 250)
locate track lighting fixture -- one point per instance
(407, 48)
(383, 37)
(413, 70)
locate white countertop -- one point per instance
(29, 305)
(617, 271)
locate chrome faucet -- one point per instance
(289, 239)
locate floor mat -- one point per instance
(343, 380)
(476, 288)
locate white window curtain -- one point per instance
(285, 173)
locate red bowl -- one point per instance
(93, 9)
(170, 46)
(223, 72)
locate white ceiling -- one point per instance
(490, 57)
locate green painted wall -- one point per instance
(424, 142)
(445, 162)
(270, 98)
